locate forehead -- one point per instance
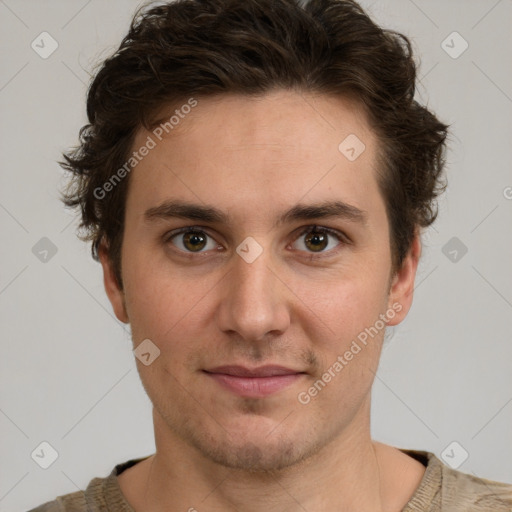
(276, 117)
(274, 149)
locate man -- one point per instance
(254, 179)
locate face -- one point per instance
(256, 258)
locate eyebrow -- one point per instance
(300, 212)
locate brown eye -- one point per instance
(320, 240)
(192, 240)
(316, 241)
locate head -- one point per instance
(258, 119)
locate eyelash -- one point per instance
(342, 239)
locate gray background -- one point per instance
(67, 372)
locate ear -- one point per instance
(402, 285)
(114, 293)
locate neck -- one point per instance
(345, 475)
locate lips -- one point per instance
(262, 371)
(254, 382)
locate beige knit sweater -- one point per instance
(442, 489)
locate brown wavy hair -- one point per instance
(204, 47)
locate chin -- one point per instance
(252, 457)
(256, 447)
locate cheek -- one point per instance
(348, 359)
(165, 307)
(152, 305)
(342, 305)
(347, 338)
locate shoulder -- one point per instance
(101, 494)
(74, 502)
(444, 489)
(474, 494)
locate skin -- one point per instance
(253, 159)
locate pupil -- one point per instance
(318, 240)
(196, 241)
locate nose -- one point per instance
(254, 302)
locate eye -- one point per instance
(319, 239)
(312, 239)
(191, 240)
